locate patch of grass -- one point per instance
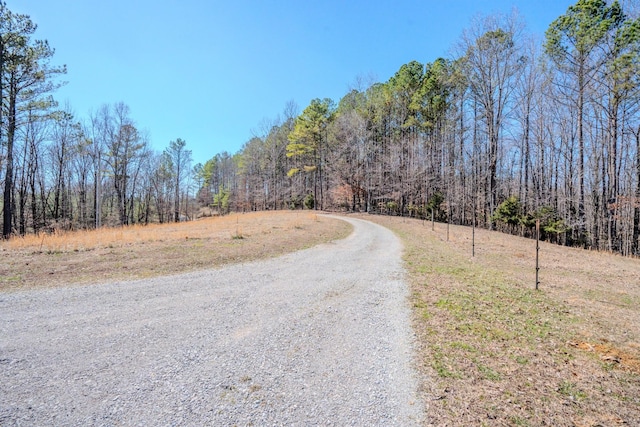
(420, 306)
(517, 421)
(146, 251)
(488, 373)
(463, 346)
(571, 390)
(441, 364)
(612, 298)
(498, 343)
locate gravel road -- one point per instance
(317, 337)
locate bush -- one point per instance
(309, 201)
(295, 203)
(509, 212)
(434, 205)
(551, 225)
(221, 201)
(417, 211)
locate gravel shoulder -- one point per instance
(317, 337)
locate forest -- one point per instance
(508, 131)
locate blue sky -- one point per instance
(210, 72)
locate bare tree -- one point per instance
(181, 162)
(493, 63)
(25, 76)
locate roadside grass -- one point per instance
(94, 256)
(497, 352)
(61, 241)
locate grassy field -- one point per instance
(495, 351)
(145, 251)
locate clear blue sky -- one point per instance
(211, 71)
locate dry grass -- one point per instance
(496, 352)
(145, 251)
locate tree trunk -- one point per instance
(22, 192)
(636, 201)
(176, 206)
(614, 241)
(8, 208)
(581, 210)
(6, 228)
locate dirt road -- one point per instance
(317, 337)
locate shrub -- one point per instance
(309, 201)
(295, 203)
(509, 212)
(434, 205)
(551, 225)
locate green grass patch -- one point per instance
(488, 373)
(571, 390)
(441, 364)
(463, 346)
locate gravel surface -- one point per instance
(317, 337)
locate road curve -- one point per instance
(317, 337)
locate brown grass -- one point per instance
(145, 251)
(496, 352)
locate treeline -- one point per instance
(509, 131)
(58, 172)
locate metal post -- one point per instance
(447, 228)
(473, 234)
(537, 253)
